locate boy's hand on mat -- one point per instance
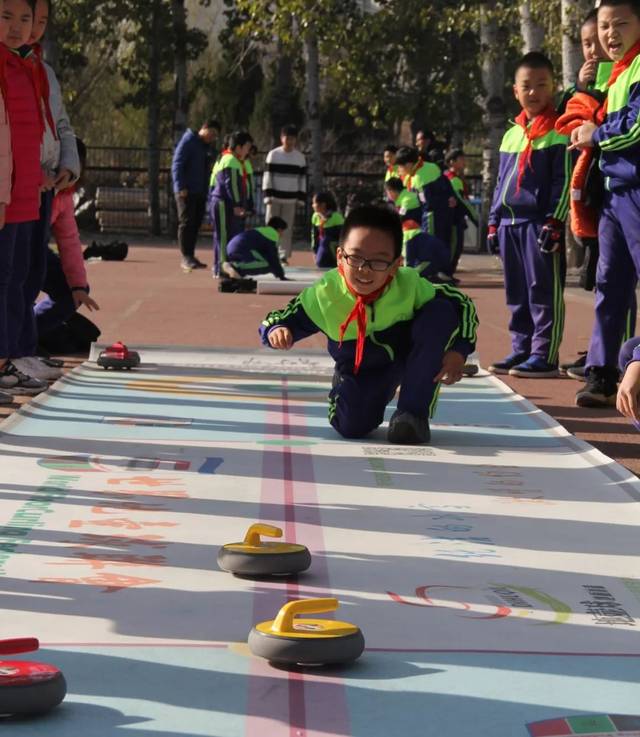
(452, 364)
(281, 339)
(629, 391)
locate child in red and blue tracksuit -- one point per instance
(26, 104)
(618, 139)
(255, 252)
(386, 327)
(526, 222)
(230, 195)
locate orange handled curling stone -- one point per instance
(291, 641)
(253, 557)
(28, 688)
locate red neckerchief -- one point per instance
(410, 225)
(323, 220)
(359, 313)
(544, 123)
(42, 88)
(390, 169)
(618, 68)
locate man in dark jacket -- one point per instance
(190, 173)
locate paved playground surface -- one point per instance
(494, 573)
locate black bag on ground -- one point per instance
(73, 336)
(114, 251)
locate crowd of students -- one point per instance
(39, 164)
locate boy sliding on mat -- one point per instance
(386, 327)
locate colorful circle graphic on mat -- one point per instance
(604, 725)
(494, 601)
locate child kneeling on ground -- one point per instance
(255, 252)
(386, 327)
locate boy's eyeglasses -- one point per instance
(357, 262)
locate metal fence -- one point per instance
(116, 184)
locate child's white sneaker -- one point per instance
(13, 381)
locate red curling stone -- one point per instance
(28, 688)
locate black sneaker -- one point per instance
(601, 388)
(577, 363)
(197, 264)
(407, 429)
(504, 366)
(579, 373)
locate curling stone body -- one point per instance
(253, 557)
(286, 640)
(28, 688)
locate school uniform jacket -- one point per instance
(230, 182)
(6, 161)
(26, 123)
(325, 305)
(619, 135)
(544, 190)
(425, 253)
(326, 233)
(255, 247)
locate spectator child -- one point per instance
(434, 190)
(65, 286)
(386, 327)
(255, 251)
(190, 175)
(406, 203)
(326, 224)
(426, 254)
(530, 204)
(25, 107)
(456, 165)
(618, 139)
(389, 158)
(229, 195)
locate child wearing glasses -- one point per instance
(386, 327)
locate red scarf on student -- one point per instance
(543, 123)
(359, 313)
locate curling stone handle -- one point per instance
(284, 621)
(253, 533)
(19, 645)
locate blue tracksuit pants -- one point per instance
(534, 283)
(357, 402)
(225, 226)
(616, 274)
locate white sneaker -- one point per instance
(13, 381)
(228, 269)
(33, 366)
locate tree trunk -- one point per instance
(313, 110)
(153, 118)
(493, 104)
(50, 47)
(181, 102)
(283, 92)
(573, 11)
(532, 32)
(456, 100)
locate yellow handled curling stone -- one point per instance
(291, 641)
(253, 557)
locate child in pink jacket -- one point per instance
(66, 283)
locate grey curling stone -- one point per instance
(308, 651)
(233, 559)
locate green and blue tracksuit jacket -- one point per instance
(256, 252)
(325, 237)
(619, 135)
(409, 206)
(544, 190)
(226, 183)
(464, 209)
(433, 190)
(325, 305)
